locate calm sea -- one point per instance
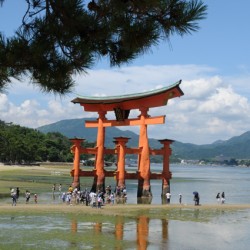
(207, 180)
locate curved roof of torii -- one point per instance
(154, 98)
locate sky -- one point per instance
(213, 64)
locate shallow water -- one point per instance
(191, 229)
(207, 180)
(222, 230)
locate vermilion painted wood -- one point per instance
(121, 105)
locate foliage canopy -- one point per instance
(25, 145)
(58, 38)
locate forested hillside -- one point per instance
(51, 143)
(24, 145)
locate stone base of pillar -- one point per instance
(165, 189)
(93, 188)
(100, 187)
(121, 200)
(97, 187)
(142, 190)
(146, 192)
(76, 184)
(144, 200)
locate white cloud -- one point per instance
(221, 113)
(226, 103)
(212, 108)
(128, 80)
(201, 88)
(4, 105)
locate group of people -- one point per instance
(94, 199)
(76, 196)
(168, 197)
(15, 193)
(221, 198)
(98, 199)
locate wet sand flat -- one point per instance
(124, 209)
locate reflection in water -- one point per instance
(119, 231)
(73, 243)
(150, 231)
(120, 228)
(74, 226)
(164, 229)
(142, 232)
(98, 228)
(196, 213)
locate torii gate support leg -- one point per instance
(166, 174)
(77, 148)
(144, 189)
(99, 179)
(121, 145)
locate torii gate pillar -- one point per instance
(99, 179)
(144, 189)
(76, 167)
(166, 174)
(120, 172)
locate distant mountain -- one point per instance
(237, 147)
(76, 128)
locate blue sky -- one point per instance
(213, 63)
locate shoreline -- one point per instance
(118, 209)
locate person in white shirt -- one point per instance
(168, 195)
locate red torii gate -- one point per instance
(121, 106)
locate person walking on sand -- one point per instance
(218, 197)
(180, 198)
(27, 196)
(112, 198)
(53, 191)
(13, 196)
(17, 193)
(70, 189)
(35, 198)
(223, 198)
(60, 189)
(99, 201)
(196, 198)
(168, 196)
